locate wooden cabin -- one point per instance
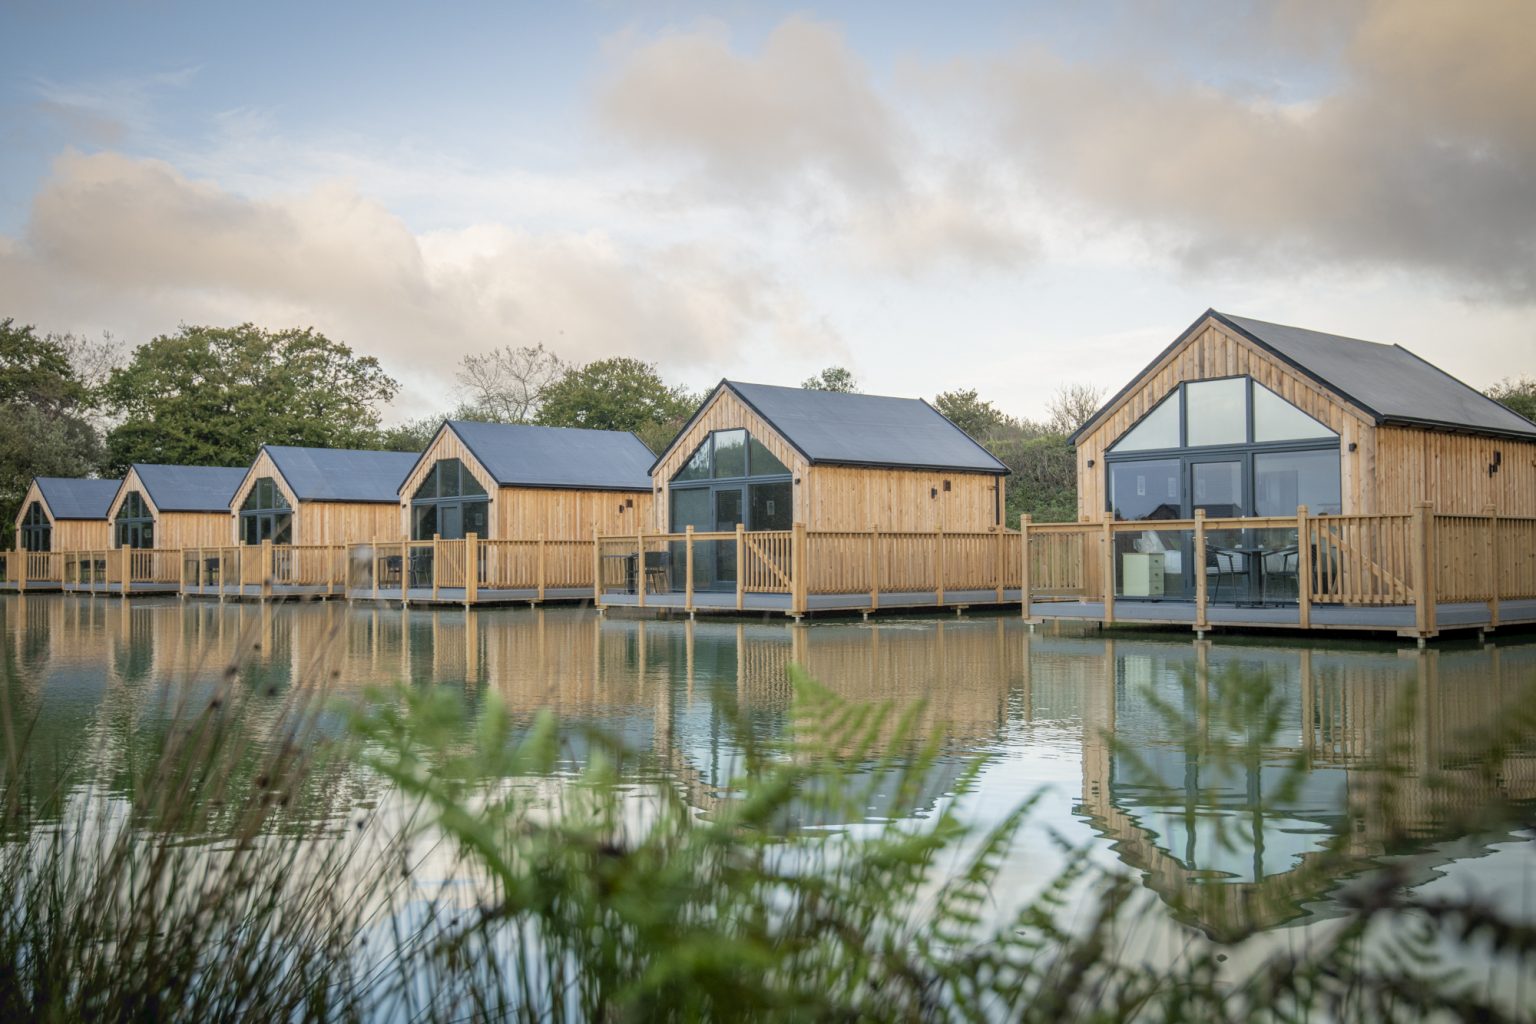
(504, 481)
(172, 507)
(769, 457)
(65, 514)
(1240, 417)
(319, 496)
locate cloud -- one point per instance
(1417, 152)
(135, 246)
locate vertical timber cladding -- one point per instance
(318, 522)
(1452, 471)
(725, 411)
(862, 498)
(173, 530)
(67, 534)
(1214, 351)
(525, 513)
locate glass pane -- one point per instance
(448, 478)
(477, 517)
(1145, 490)
(698, 466)
(727, 508)
(691, 507)
(764, 462)
(1275, 419)
(1157, 429)
(425, 524)
(1218, 488)
(450, 521)
(1218, 411)
(428, 488)
(147, 536)
(731, 453)
(248, 530)
(283, 532)
(468, 485)
(771, 506)
(1283, 480)
(249, 504)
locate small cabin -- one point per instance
(769, 457)
(316, 496)
(172, 507)
(65, 514)
(503, 481)
(1240, 417)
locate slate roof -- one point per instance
(189, 488)
(1387, 382)
(74, 498)
(341, 474)
(864, 430)
(522, 455)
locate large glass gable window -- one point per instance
(1230, 446)
(450, 504)
(266, 515)
(36, 530)
(133, 526)
(730, 480)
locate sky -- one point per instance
(1009, 197)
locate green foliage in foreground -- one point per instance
(490, 884)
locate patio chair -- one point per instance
(658, 572)
(1220, 565)
(389, 571)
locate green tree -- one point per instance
(45, 426)
(833, 378)
(618, 394)
(966, 410)
(1519, 395)
(215, 395)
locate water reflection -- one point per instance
(1235, 814)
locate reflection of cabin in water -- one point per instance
(768, 457)
(319, 496)
(170, 507)
(65, 514)
(504, 481)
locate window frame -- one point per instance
(743, 482)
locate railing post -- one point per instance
(1303, 568)
(640, 567)
(1024, 580)
(741, 566)
(22, 558)
(373, 565)
(436, 537)
(543, 567)
(1423, 570)
(874, 568)
(125, 570)
(798, 571)
(1495, 569)
(688, 567)
(472, 569)
(1107, 567)
(1000, 560)
(266, 569)
(1202, 584)
(405, 574)
(597, 569)
(938, 563)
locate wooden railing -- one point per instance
(407, 568)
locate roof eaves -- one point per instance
(966, 434)
(1469, 429)
(1469, 387)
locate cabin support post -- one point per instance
(1000, 562)
(373, 568)
(1495, 568)
(938, 563)
(405, 574)
(1423, 570)
(1107, 567)
(688, 568)
(1024, 581)
(597, 569)
(124, 570)
(472, 569)
(22, 557)
(1303, 568)
(640, 567)
(1202, 585)
(741, 567)
(436, 540)
(266, 569)
(543, 581)
(798, 571)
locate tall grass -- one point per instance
(497, 879)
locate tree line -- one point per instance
(73, 406)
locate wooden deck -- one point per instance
(1415, 575)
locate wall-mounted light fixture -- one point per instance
(1353, 446)
(933, 492)
(629, 502)
(1090, 463)
(1493, 467)
(946, 486)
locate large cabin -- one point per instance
(65, 514)
(319, 496)
(521, 482)
(1240, 417)
(769, 457)
(171, 507)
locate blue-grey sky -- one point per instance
(1000, 196)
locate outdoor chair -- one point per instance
(1222, 565)
(389, 571)
(658, 572)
